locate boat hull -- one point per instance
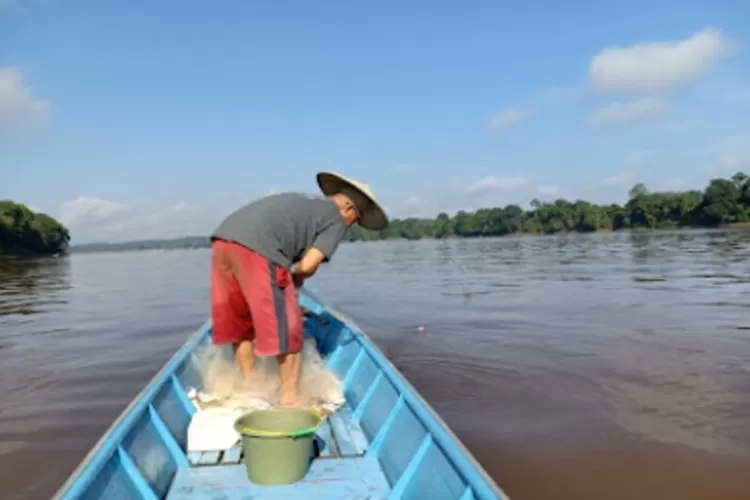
(386, 442)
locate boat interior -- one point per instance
(384, 443)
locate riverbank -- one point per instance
(201, 242)
(24, 232)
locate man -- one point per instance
(263, 252)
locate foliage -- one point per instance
(24, 231)
(176, 243)
(724, 201)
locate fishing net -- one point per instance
(224, 384)
(225, 393)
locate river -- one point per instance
(606, 366)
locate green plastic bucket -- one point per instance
(278, 444)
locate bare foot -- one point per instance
(293, 401)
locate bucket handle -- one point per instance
(309, 431)
(294, 434)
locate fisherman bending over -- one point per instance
(254, 300)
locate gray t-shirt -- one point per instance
(281, 227)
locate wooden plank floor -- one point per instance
(337, 478)
(339, 436)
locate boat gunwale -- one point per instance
(91, 464)
(447, 440)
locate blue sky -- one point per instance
(131, 119)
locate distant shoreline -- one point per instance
(25, 233)
(724, 203)
(203, 242)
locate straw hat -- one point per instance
(373, 215)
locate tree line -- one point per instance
(23, 231)
(722, 202)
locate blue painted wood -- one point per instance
(468, 494)
(326, 445)
(360, 378)
(326, 449)
(150, 453)
(386, 440)
(401, 488)
(400, 444)
(182, 396)
(209, 458)
(141, 484)
(368, 395)
(204, 458)
(336, 478)
(231, 456)
(376, 407)
(385, 429)
(98, 469)
(484, 487)
(178, 455)
(113, 481)
(168, 406)
(351, 369)
(347, 433)
(432, 476)
(195, 457)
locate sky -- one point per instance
(135, 119)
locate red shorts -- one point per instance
(254, 299)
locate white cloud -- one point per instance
(619, 112)
(492, 183)
(17, 102)
(413, 201)
(451, 196)
(658, 66)
(510, 116)
(91, 211)
(92, 218)
(624, 179)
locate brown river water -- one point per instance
(576, 367)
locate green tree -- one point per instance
(24, 231)
(720, 204)
(724, 201)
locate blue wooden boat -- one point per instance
(386, 442)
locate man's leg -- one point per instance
(243, 351)
(232, 322)
(277, 319)
(290, 365)
(291, 338)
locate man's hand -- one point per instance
(307, 266)
(299, 280)
(309, 314)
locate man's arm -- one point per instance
(322, 250)
(307, 266)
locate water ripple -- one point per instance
(551, 357)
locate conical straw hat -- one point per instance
(373, 215)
